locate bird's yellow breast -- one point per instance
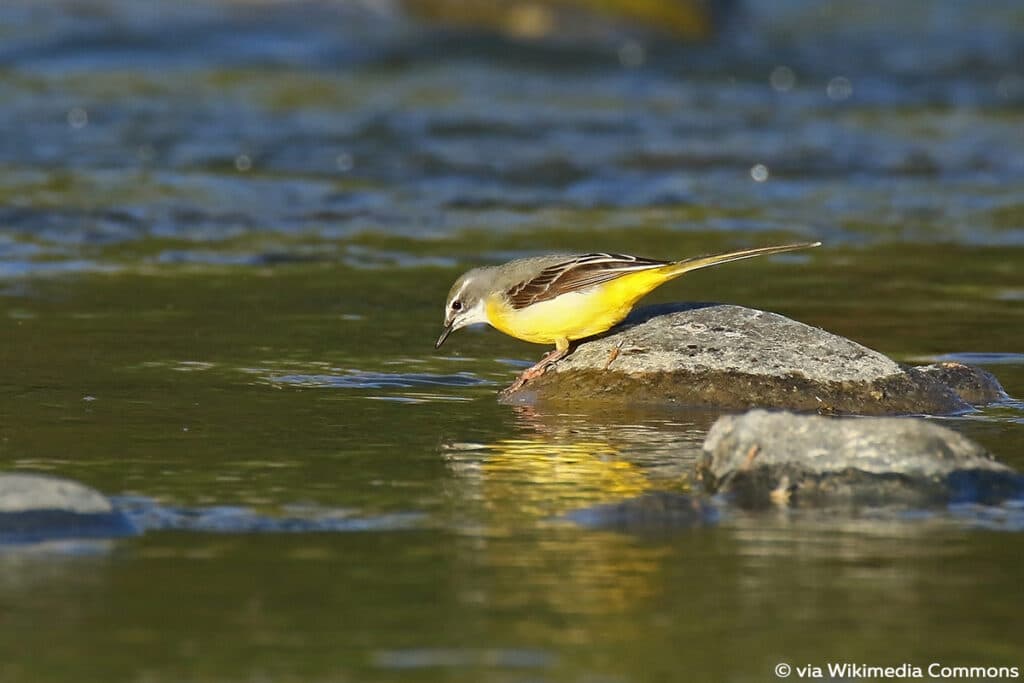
(575, 315)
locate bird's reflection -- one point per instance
(553, 463)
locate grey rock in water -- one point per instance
(762, 458)
(723, 356)
(39, 508)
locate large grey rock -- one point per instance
(761, 458)
(39, 508)
(732, 357)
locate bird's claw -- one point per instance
(535, 371)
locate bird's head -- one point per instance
(465, 303)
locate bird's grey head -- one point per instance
(465, 303)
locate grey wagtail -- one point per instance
(561, 298)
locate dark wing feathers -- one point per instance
(574, 275)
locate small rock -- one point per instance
(37, 508)
(650, 512)
(731, 357)
(762, 458)
(972, 384)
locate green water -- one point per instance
(317, 386)
(226, 234)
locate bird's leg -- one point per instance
(561, 351)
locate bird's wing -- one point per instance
(576, 274)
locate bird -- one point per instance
(560, 298)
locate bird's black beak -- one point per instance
(444, 335)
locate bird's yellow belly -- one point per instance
(575, 315)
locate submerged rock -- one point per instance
(762, 458)
(724, 356)
(648, 513)
(38, 508)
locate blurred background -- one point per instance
(178, 128)
(227, 228)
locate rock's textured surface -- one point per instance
(38, 508)
(760, 458)
(732, 357)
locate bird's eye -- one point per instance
(456, 305)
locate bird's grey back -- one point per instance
(504, 277)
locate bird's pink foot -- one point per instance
(535, 371)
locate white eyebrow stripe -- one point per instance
(462, 289)
(458, 294)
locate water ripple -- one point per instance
(379, 380)
(980, 358)
(149, 515)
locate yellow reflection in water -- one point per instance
(551, 477)
(549, 470)
(515, 489)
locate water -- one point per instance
(226, 233)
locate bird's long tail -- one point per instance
(677, 268)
